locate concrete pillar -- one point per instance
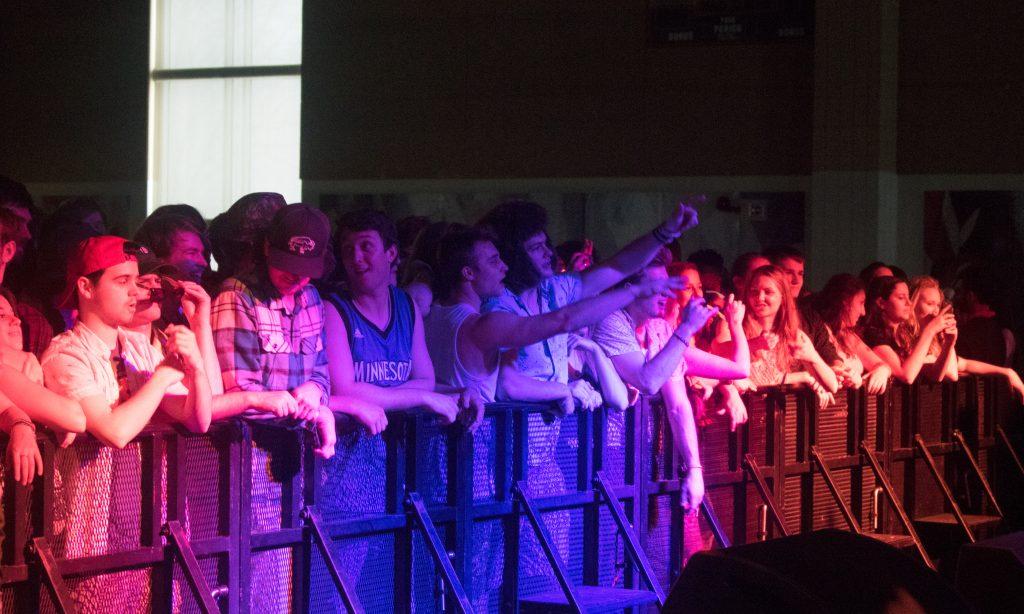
(852, 215)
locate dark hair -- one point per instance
(832, 300)
(742, 263)
(14, 193)
(512, 223)
(707, 259)
(868, 273)
(181, 210)
(455, 251)
(366, 219)
(777, 253)
(7, 294)
(158, 232)
(882, 288)
(9, 225)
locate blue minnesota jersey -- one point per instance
(379, 357)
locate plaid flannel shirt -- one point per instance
(261, 346)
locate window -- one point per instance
(224, 101)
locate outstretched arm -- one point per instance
(631, 258)
(500, 329)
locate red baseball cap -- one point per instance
(95, 254)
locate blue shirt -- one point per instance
(379, 357)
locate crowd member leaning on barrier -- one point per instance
(268, 328)
(928, 304)
(465, 346)
(667, 358)
(375, 332)
(780, 352)
(121, 380)
(117, 376)
(891, 331)
(24, 400)
(841, 305)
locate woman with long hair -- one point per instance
(841, 305)
(927, 301)
(892, 331)
(780, 353)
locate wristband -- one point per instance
(664, 236)
(684, 340)
(27, 423)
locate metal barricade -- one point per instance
(238, 500)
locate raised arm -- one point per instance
(631, 258)
(705, 364)
(500, 329)
(803, 350)
(196, 305)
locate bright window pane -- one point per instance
(220, 33)
(217, 139)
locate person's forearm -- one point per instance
(911, 367)
(709, 366)
(199, 403)
(11, 416)
(825, 374)
(657, 370)
(207, 349)
(623, 264)
(118, 426)
(41, 404)
(740, 349)
(681, 423)
(231, 404)
(613, 390)
(518, 387)
(977, 367)
(395, 398)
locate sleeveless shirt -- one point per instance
(442, 327)
(379, 357)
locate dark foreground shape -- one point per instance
(823, 571)
(990, 573)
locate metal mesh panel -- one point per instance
(566, 529)
(432, 463)
(487, 565)
(485, 462)
(122, 592)
(426, 579)
(715, 446)
(213, 569)
(206, 489)
(270, 589)
(354, 480)
(611, 550)
(658, 541)
(276, 461)
(614, 454)
(567, 448)
(8, 599)
(929, 412)
(97, 510)
(367, 563)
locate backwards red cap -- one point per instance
(95, 254)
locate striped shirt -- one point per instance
(263, 346)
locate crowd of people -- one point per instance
(104, 334)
